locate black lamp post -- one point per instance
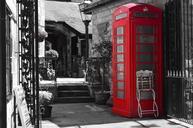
(86, 18)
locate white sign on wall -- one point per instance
(22, 107)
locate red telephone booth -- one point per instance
(137, 61)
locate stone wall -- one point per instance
(102, 17)
(102, 20)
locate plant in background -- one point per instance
(45, 98)
(51, 54)
(104, 51)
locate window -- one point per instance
(120, 76)
(120, 48)
(120, 94)
(119, 39)
(145, 29)
(120, 57)
(120, 30)
(120, 85)
(119, 54)
(120, 67)
(8, 54)
(145, 38)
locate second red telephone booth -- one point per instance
(137, 61)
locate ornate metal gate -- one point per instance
(28, 55)
(179, 59)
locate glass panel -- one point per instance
(120, 48)
(145, 57)
(144, 15)
(144, 67)
(145, 29)
(146, 95)
(145, 48)
(120, 85)
(120, 76)
(145, 39)
(120, 67)
(119, 39)
(120, 94)
(119, 30)
(120, 58)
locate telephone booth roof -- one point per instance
(139, 7)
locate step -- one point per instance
(70, 84)
(73, 93)
(74, 99)
(72, 87)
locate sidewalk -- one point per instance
(90, 115)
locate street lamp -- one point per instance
(86, 18)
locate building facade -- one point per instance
(66, 32)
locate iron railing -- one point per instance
(28, 55)
(179, 59)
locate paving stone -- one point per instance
(161, 123)
(129, 124)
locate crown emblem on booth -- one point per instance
(145, 9)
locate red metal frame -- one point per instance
(130, 16)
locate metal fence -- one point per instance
(28, 55)
(179, 59)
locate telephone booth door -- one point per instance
(148, 60)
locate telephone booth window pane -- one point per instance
(120, 94)
(120, 76)
(145, 48)
(120, 67)
(119, 39)
(120, 30)
(145, 29)
(120, 85)
(144, 67)
(120, 48)
(145, 57)
(145, 38)
(120, 58)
